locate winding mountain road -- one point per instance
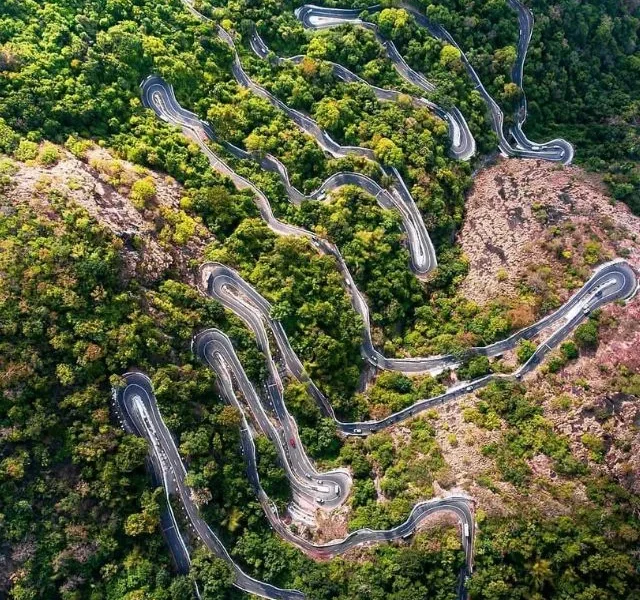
(463, 145)
(138, 412)
(423, 254)
(158, 95)
(612, 281)
(267, 409)
(308, 486)
(263, 410)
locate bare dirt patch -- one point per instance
(332, 526)
(461, 442)
(538, 230)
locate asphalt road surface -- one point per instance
(137, 408)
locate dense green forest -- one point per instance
(78, 515)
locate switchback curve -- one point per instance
(159, 96)
(138, 412)
(612, 281)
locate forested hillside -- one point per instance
(88, 294)
(582, 75)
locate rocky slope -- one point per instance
(141, 207)
(533, 232)
(537, 229)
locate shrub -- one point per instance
(77, 147)
(142, 192)
(49, 155)
(26, 150)
(7, 170)
(8, 138)
(592, 252)
(586, 335)
(556, 363)
(595, 446)
(476, 367)
(525, 350)
(569, 350)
